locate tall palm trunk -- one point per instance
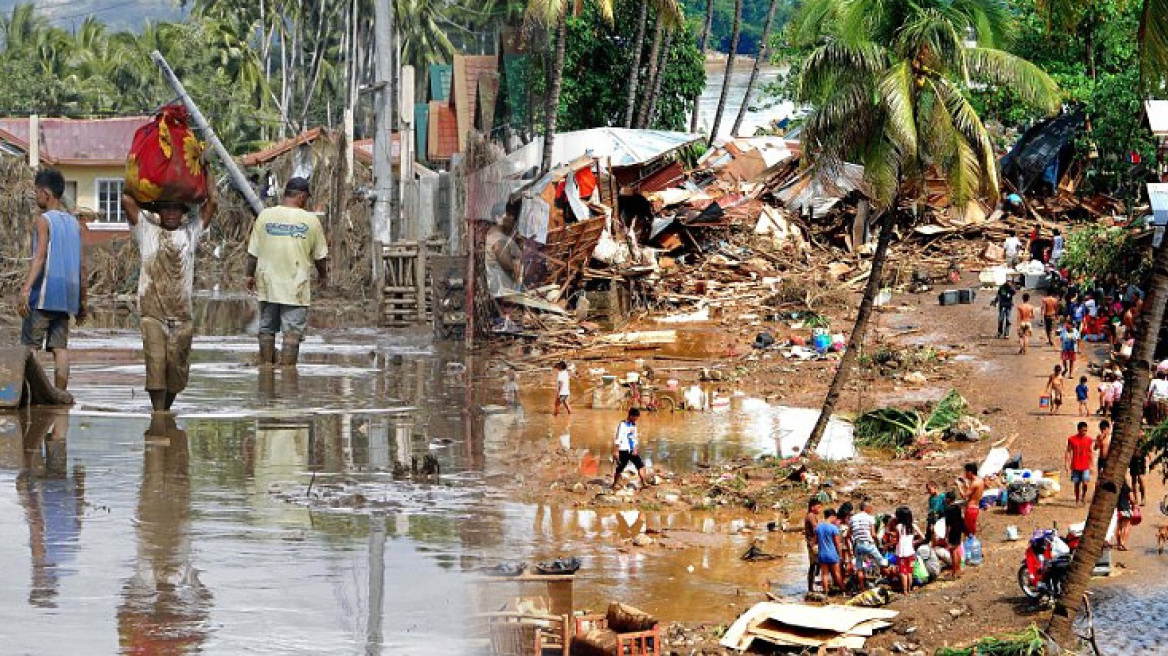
(553, 101)
(693, 121)
(763, 51)
(654, 52)
(852, 354)
(651, 115)
(1137, 377)
(729, 70)
(635, 69)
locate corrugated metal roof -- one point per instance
(1158, 196)
(1157, 116)
(77, 142)
(443, 138)
(363, 148)
(625, 147)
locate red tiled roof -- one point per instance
(443, 131)
(77, 142)
(477, 67)
(279, 148)
(362, 148)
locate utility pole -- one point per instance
(382, 140)
(395, 198)
(237, 176)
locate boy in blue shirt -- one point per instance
(827, 535)
(1081, 392)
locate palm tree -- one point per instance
(635, 69)
(887, 81)
(763, 52)
(737, 30)
(702, 42)
(556, 12)
(670, 16)
(658, 78)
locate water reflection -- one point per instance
(53, 499)
(164, 607)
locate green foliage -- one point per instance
(1099, 36)
(895, 428)
(888, 82)
(753, 14)
(1027, 643)
(596, 70)
(1099, 252)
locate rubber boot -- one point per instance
(267, 350)
(290, 353)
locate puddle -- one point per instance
(1118, 612)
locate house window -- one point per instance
(109, 201)
(71, 193)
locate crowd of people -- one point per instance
(1077, 310)
(852, 547)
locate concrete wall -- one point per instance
(85, 178)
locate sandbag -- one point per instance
(165, 163)
(626, 619)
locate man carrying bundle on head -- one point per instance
(167, 240)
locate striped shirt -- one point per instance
(862, 524)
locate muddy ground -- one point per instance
(751, 500)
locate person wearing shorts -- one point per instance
(1080, 456)
(626, 448)
(54, 289)
(1069, 338)
(1050, 307)
(167, 241)
(286, 243)
(563, 389)
(810, 523)
(1025, 321)
(972, 488)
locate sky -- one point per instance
(119, 14)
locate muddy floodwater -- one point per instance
(265, 517)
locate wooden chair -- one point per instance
(527, 634)
(639, 643)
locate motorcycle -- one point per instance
(1043, 572)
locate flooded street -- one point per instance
(267, 518)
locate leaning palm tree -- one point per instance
(763, 52)
(734, 34)
(556, 12)
(886, 79)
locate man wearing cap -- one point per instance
(284, 240)
(167, 241)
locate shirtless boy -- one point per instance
(1054, 387)
(1025, 319)
(972, 487)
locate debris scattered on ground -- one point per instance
(806, 626)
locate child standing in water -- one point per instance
(1054, 387)
(563, 389)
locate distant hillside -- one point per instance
(118, 14)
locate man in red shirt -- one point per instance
(1080, 457)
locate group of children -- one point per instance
(853, 548)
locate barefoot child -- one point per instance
(563, 389)
(1054, 388)
(1081, 394)
(1025, 319)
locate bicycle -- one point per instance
(648, 399)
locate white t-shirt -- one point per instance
(1159, 390)
(167, 278)
(862, 525)
(563, 385)
(1012, 246)
(626, 436)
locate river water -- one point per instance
(232, 527)
(762, 109)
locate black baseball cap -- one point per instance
(297, 186)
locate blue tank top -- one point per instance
(59, 287)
